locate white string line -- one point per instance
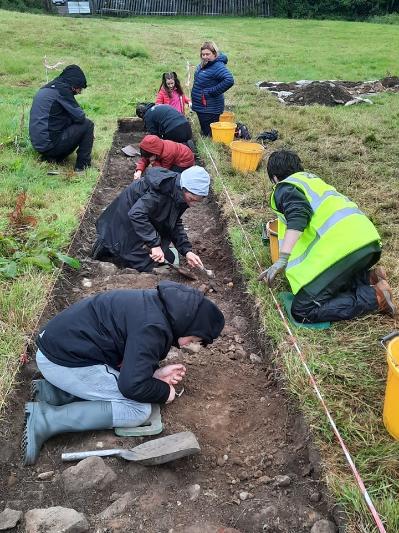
(351, 463)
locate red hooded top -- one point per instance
(168, 154)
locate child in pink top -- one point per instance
(171, 92)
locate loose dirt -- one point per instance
(329, 92)
(248, 429)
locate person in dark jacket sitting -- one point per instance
(136, 229)
(165, 121)
(57, 124)
(211, 80)
(107, 349)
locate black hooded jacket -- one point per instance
(54, 108)
(131, 331)
(147, 212)
(161, 119)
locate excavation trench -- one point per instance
(257, 470)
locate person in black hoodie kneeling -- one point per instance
(57, 124)
(107, 349)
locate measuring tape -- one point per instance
(312, 380)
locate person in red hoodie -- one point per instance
(171, 92)
(166, 154)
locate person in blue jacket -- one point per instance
(100, 359)
(211, 80)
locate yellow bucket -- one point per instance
(226, 116)
(272, 231)
(391, 403)
(246, 156)
(223, 132)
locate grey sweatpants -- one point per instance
(97, 382)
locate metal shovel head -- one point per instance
(153, 452)
(130, 150)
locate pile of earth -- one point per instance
(329, 92)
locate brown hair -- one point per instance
(210, 45)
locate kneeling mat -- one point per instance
(286, 299)
(152, 426)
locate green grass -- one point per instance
(354, 148)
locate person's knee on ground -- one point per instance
(129, 414)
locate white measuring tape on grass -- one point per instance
(312, 380)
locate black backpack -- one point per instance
(242, 132)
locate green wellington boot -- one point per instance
(43, 421)
(43, 391)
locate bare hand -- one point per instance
(157, 254)
(172, 394)
(193, 260)
(170, 374)
(137, 174)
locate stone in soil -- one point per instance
(9, 519)
(194, 491)
(91, 473)
(323, 526)
(55, 520)
(118, 507)
(282, 481)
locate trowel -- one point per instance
(153, 452)
(130, 150)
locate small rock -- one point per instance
(118, 507)
(243, 475)
(240, 322)
(315, 497)
(227, 280)
(107, 269)
(46, 475)
(255, 358)
(282, 481)
(238, 339)
(178, 503)
(230, 284)
(194, 491)
(172, 354)
(88, 474)
(193, 347)
(87, 283)
(99, 445)
(243, 496)
(264, 479)
(232, 348)
(225, 457)
(270, 511)
(323, 526)
(220, 461)
(55, 519)
(9, 519)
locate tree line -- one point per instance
(349, 9)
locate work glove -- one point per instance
(270, 273)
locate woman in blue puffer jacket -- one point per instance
(211, 79)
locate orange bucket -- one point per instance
(246, 156)
(272, 231)
(223, 132)
(227, 116)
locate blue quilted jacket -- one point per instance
(210, 82)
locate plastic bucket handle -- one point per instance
(389, 337)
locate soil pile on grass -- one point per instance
(329, 92)
(323, 93)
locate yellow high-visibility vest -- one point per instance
(337, 229)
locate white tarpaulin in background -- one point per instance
(79, 8)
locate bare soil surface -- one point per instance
(257, 470)
(328, 92)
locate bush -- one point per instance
(392, 18)
(33, 6)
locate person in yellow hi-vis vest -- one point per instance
(327, 247)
